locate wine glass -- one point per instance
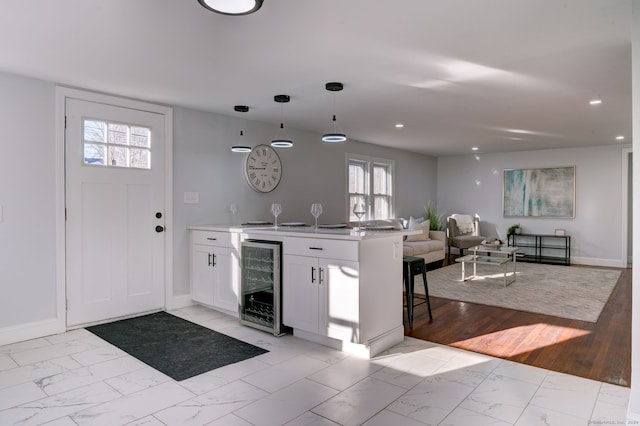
(359, 211)
(276, 209)
(316, 211)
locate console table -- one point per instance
(542, 248)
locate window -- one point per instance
(116, 144)
(371, 183)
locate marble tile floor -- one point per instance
(76, 378)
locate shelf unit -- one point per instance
(542, 248)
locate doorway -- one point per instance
(117, 205)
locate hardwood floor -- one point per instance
(599, 351)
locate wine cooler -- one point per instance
(260, 287)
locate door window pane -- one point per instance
(116, 145)
(119, 134)
(95, 153)
(95, 131)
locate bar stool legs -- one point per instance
(411, 267)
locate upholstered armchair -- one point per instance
(463, 232)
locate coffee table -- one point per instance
(492, 255)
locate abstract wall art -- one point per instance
(545, 192)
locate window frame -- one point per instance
(369, 196)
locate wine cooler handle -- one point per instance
(313, 276)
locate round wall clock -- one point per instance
(263, 169)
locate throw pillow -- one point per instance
(415, 226)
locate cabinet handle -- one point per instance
(313, 276)
(209, 262)
(211, 239)
(213, 255)
(316, 248)
(320, 270)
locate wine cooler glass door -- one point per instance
(260, 286)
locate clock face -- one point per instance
(263, 168)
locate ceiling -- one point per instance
(499, 75)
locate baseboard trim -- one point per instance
(182, 301)
(592, 261)
(20, 333)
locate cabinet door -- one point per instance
(300, 292)
(225, 294)
(339, 299)
(201, 277)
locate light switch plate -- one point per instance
(191, 197)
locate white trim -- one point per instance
(62, 94)
(626, 259)
(30, 331)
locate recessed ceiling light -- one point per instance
(595, 101)
(475, 148)
(620, 137)
(399, 125)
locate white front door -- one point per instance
(115, 171)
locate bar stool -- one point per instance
(412, 266)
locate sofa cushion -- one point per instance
(415, 226)
(416, 248)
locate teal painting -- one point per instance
(546, 192)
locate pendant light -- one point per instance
(239, 147)
(231, 7)
(281, 139)
(335, 134)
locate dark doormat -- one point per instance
(176, 347)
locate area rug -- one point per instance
(176, 347)
(563, 291)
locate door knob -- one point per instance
(159, 228)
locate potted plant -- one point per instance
(435, 219)
(514, 229)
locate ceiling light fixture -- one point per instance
(475, 148)
(620, 137)
(399, 125)
(335, 135)
(241, 148)
(595, 101)
(282, 139)
(232, 7)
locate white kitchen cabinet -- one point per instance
(320, 289)
(213, 272)
(340, 287)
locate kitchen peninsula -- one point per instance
(340, 287)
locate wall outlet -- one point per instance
(191, 197)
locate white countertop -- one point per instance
(306, 231)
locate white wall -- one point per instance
(467, 184)
(634, 402)
(27, 199)
(313, 171)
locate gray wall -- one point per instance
(473, 184)
(27, 199)
(313, 171)
(203, 163)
